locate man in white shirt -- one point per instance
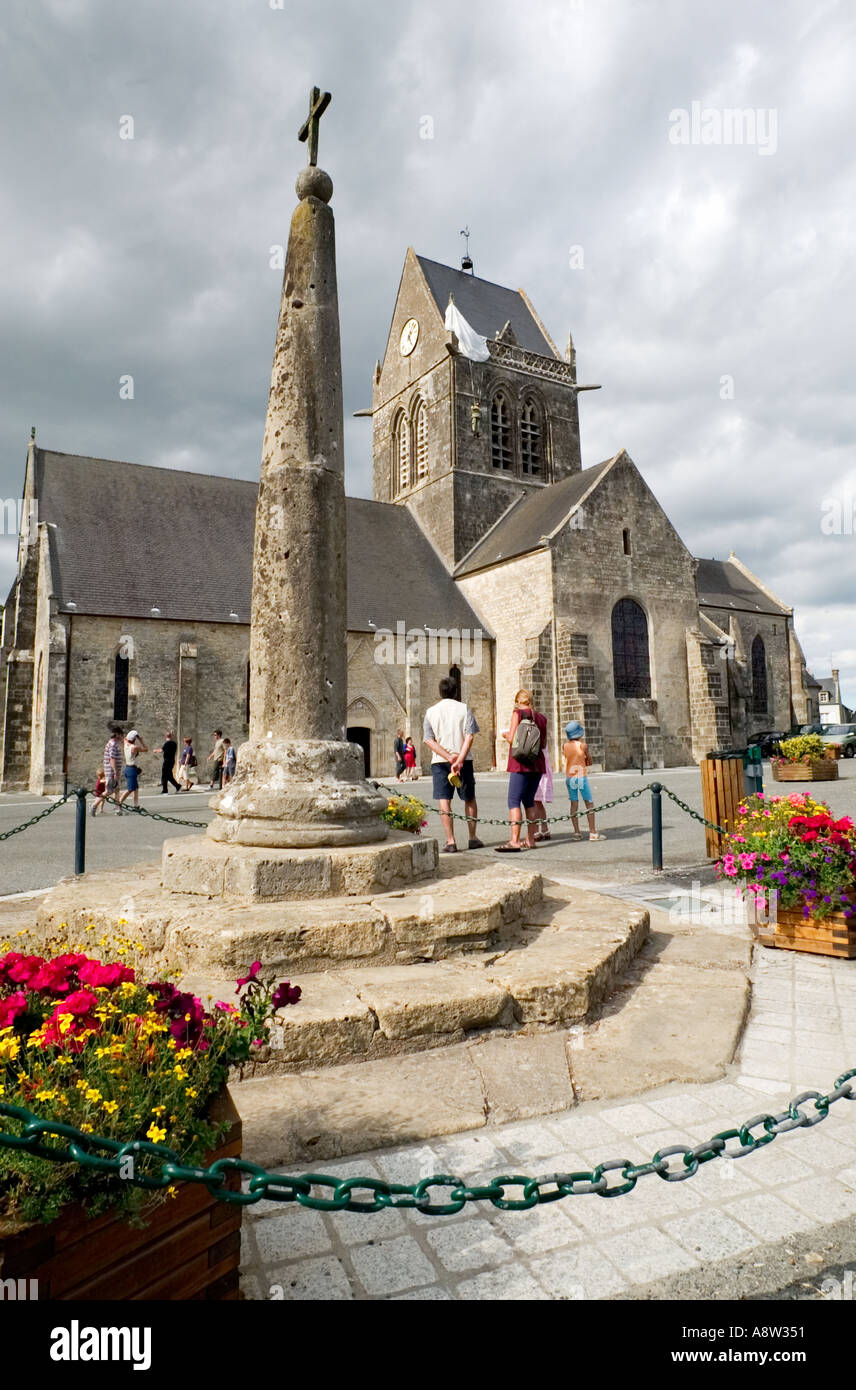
(449, 730)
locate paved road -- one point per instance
(39, 856)
(777, 1223)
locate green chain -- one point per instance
(34, 820)
(695, 815)
(552, 820)
(170, 820)
(279, 1187)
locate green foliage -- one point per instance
(406, 813)
(804, 748)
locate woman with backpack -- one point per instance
(527, 739)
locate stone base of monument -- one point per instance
(470, 950)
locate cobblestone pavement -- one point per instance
(801, 1035)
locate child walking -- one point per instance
(578, 760)
(99, 791)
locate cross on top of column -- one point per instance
(318, 103)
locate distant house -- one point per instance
(831, 710)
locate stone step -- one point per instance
(443, 916)
(552, 976)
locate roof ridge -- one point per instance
(151, 467)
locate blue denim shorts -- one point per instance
(443, 789)
(578, 787)
(132, 777)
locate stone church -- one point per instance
(488, 552)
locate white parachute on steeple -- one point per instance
(470, 343)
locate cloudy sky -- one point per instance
(709, 285)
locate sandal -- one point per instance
(543, 835)
(508, 849)
(595, 835)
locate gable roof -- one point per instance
(184, 544)
(523, 526)
(722, 584)
(486, 307)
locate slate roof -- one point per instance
(486, 307)
(536, 514)
(721, 584)
(184, 543)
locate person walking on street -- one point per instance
(216, 756)
(187, 764)
(398, 748)
(113, 764)
(134, 746)
(578, 760)
(448, 730)
(410, 760)
(230, 760)
(169, 749)
(526, 737)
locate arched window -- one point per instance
(500, 432)
(420, 437)
(759, 676)
(530, 439)
(120, 687)
(400, 455)
(630, 664)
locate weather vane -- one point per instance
(466, 261)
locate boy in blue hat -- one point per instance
(578, 760)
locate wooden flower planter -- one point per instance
(190, 1248)
(818, 770)
(833, 936)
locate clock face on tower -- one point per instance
(409, 336)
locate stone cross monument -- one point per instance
(299, 783)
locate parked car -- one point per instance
(799, 729)
(842, 734)
(768, 741)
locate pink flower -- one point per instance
(245, 980)
(747, 861)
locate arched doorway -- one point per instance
(358, 733)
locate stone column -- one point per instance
(299, 783)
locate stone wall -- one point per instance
(773, 628)
(514, 601)
(50, 653)
(591, 572)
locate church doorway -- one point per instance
(357, 733)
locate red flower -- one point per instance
(11, 1007)
(18, 969)
(82, 1001)
(95, 974)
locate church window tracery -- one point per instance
(500, 432)
(401, 455)
(420, 432)
(530, 439)
(631, 665)
(759, 676)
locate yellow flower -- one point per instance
(154, 1133)
(180, 1073)
(190, 1091)
(87, 1128)
(172, 1191)
(111, 1106)
(45, 1095)
(93, 1094)
(158, 1109)
(9, 1047)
